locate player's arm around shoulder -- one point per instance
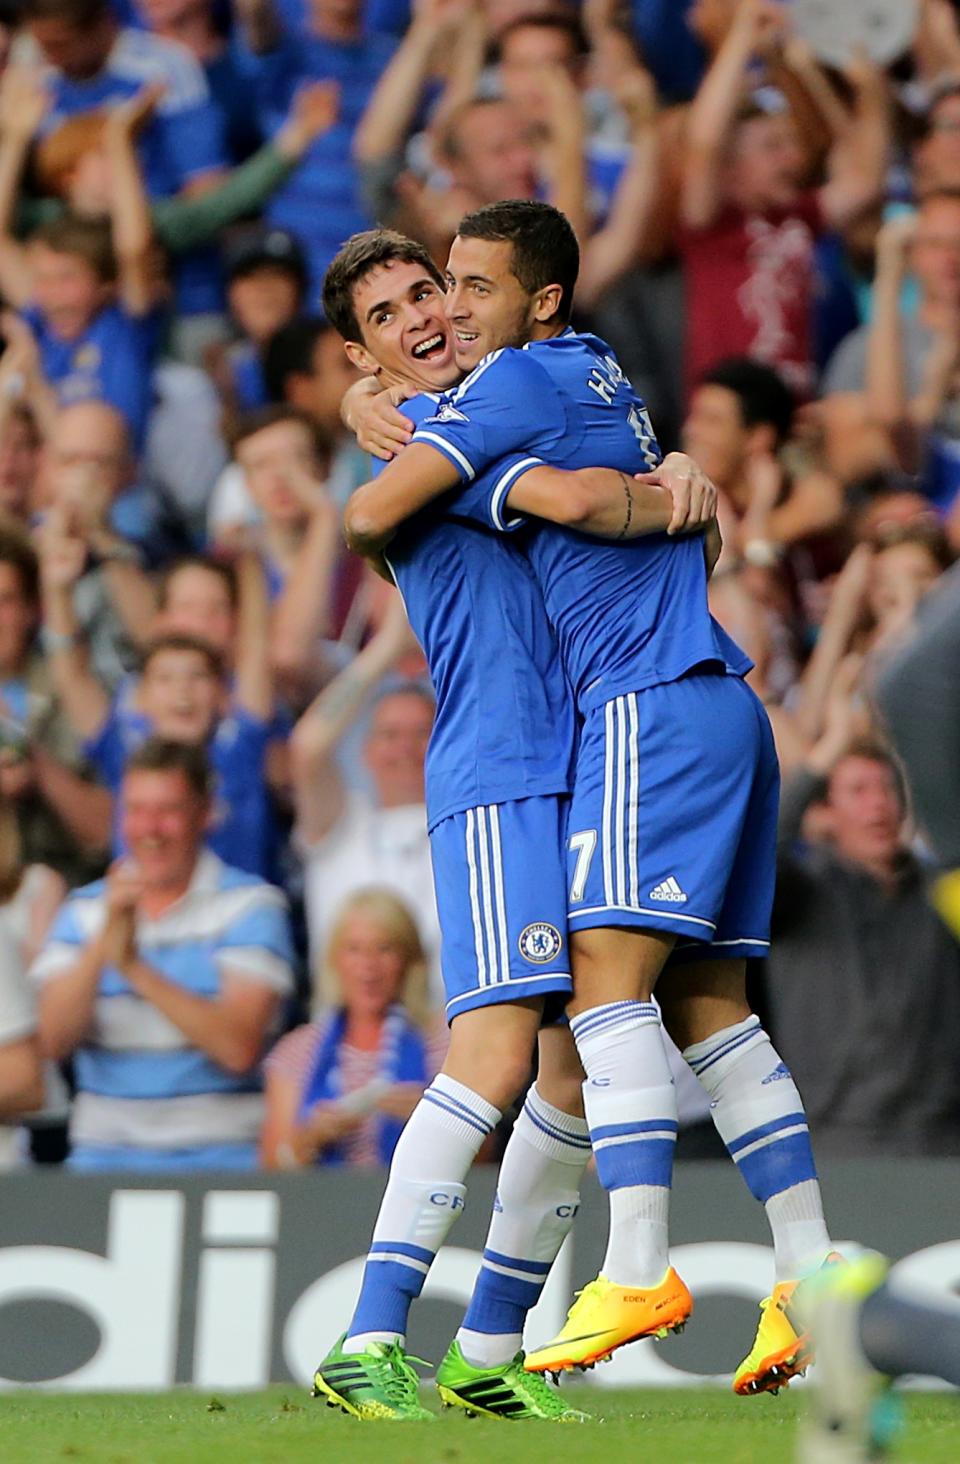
(676, 498)
(417, 476)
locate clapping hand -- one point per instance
(119, 936)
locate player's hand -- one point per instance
(381, 429)
(694, 495)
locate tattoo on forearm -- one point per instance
(628, 517)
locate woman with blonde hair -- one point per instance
(339, 1089)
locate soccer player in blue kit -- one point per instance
(498, 768)
(673, 821)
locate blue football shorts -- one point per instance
(673, 822)
(500, 877)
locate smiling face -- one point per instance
(406, 336)
(485, 303)
(370, 964)
(181, 694)
(163, 822)
(67, 289)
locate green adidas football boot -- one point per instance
(505, 1391)
(378, 1382)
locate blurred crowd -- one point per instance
(218, 939)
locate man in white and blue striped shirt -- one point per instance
(164, 982)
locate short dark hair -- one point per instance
(289, 352)
(17, 551)
(224, 571)
(874, 749)
(158, 755)
(79, 13)
(545, 248)
(89, 239)
(552, 20)
(178, 641)
(263, 417)
(926, 533)
(764, 397)
(362, 254)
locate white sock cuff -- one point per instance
(601, 1022)
(713, 1058)
(467, 1112)
(559, 1135)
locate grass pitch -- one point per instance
(281, 1426)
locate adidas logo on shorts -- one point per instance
(668, 890)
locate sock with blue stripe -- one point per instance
(424, 1196)
(631, 1108)
(759, 1115)
(538, 1193)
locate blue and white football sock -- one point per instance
(759, 1115)
(631, 1108)
(538, 1193)
(424, 1196)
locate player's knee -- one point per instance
(499, 1071)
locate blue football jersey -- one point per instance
(504, 727)
(627, 615)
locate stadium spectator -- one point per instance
(164, 983)
(198, 26)
(321, 203)
(92, 61)
(65, 283)
(305, 369)
(63, 820)
(346, 839)
(863, 979)
(533, 137)
(890, 390)
(339, 1089)
(87, 498)
(266, 283)
(775, 506)
(871, 611)
(749, 228)
(185, 694)
(25, 911)
(281, 457)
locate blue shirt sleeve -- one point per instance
(484, 501)
(506, 405)
(107, 751)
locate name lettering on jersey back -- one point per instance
(605, 379)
